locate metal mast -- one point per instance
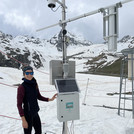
(65, 64)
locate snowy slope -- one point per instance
(38, 53)
(27, 47)
(93, 118)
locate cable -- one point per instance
(15, 87)
(12, 58)
(12, 117)
(71, 128)
(9, 117)
(55, 9)
(21, 62)
(7, 85)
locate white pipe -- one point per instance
(47, 27)
(64, 6)
(126, 1)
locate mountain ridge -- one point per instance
(37, 52)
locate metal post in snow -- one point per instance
(132, 78)
(86, 93)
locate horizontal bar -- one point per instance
(84, 15)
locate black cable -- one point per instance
(55, 9)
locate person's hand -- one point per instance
(55, 96)
(25, 124)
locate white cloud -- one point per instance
(76, 8)
(28, 15)
(21, 21)
(77, 32)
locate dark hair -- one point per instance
(25, 68)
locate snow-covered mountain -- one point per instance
(38, 52)
(127, 39)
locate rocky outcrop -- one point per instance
(29, 50)
(127, 39)
(71, 40)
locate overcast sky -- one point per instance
(25, 16)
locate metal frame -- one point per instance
(126, 52)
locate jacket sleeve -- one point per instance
(40, 97)
(20, 97)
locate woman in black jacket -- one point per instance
(27, 103)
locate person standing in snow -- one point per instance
(27, 103)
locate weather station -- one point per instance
(62, 73)
(68, 100)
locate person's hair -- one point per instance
(25, 68)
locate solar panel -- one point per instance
(66, 85)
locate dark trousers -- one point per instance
(33, 121)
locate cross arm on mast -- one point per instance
(119, 4)
(47, 27)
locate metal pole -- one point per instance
(64, 32)
(112, 29)
(121, 79)
(86, 92)
(132, 84)
(64, 131)
(126, 1)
